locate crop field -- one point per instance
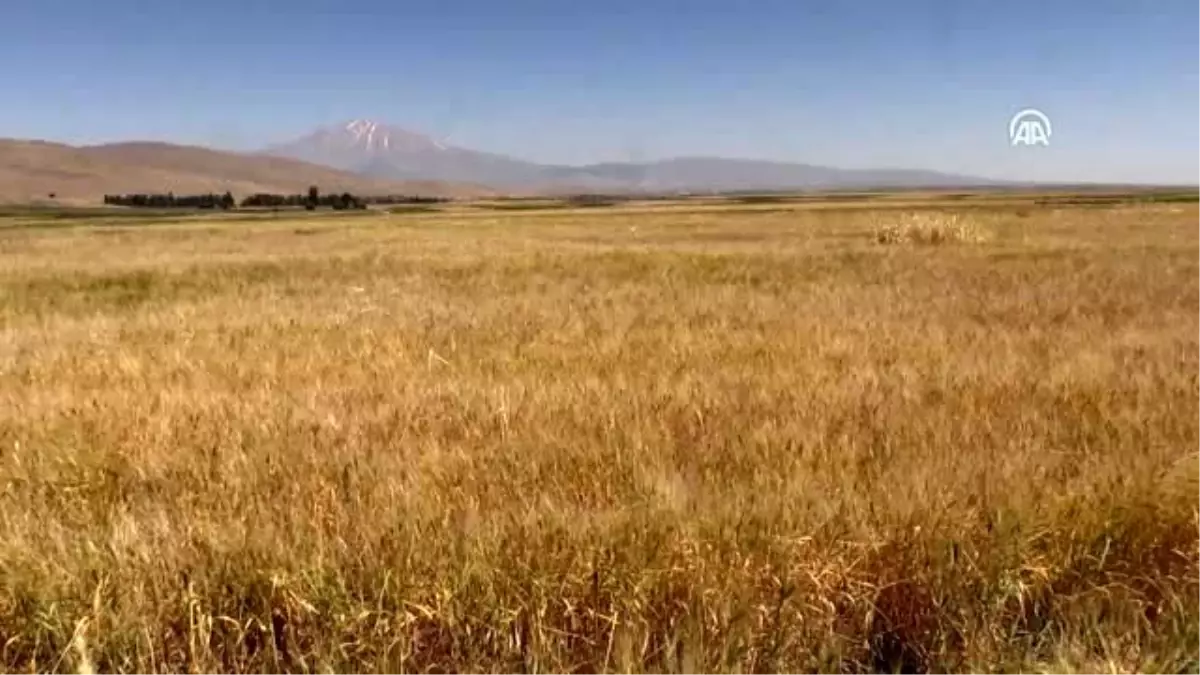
(938, 436)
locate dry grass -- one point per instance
(930, 229)
(749, 442)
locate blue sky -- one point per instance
(910, 83)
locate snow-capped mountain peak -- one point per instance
(369, 135)
(375, 137)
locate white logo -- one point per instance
(1029, 127)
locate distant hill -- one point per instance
(31, 170)
(381, 150)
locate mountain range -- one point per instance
(31, 171)
(370, 158)
(380, 150)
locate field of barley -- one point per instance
(775, 439)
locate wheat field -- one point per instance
(600, 441)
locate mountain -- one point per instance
(374, 149)
(31, 170)
(382, 150)
(701, 174)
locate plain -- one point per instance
(619, 439)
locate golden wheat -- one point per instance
(616, 441)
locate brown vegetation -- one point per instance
(750, 441)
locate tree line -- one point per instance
(171, 200)
(404, 199)
(311, 200)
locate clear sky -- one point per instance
(851, 83)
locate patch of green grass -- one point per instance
(1172, 198)
(74, 213)
(524, 206)
(763, 199)
(412, 208)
